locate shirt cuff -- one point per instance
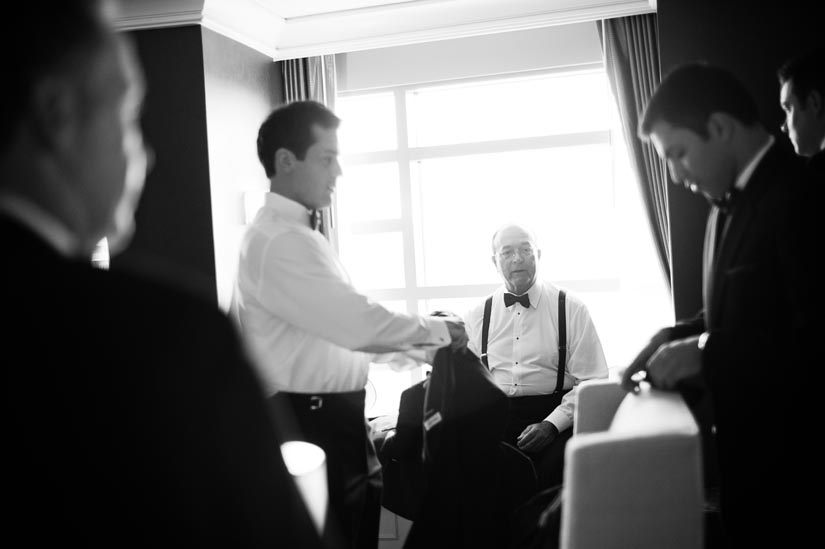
(438, 334)
(559, 419)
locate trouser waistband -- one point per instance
(325, 401)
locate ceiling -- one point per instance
(287, 29)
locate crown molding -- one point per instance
(150, 14)
(253, 23)
(246, 21)
(605, 10)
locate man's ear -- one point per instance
(493, 259)
(721, 126)
(538, 253)
(284, 161)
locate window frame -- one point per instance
(404, 155)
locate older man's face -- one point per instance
(515, 256)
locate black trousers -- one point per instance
(548, 462)
(336, 423)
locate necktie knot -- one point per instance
(509, 299)
(315, 219)
(728, 200)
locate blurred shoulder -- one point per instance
(160, 299)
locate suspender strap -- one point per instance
(488, 306)
(485, 328)
(562, 343)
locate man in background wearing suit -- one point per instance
(524, 352)
(313, 333)
(740, 349)
(131, 415)
(802, 98)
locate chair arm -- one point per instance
(643, 491)
(597, 401)
(636, 481)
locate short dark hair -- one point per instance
(689, 94)
(291, 127)
(807, 70)
(58, 39)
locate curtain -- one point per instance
(312, 78)
(631, 51)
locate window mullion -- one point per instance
(404, 178)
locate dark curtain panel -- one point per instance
(312, 78)
(631, 52)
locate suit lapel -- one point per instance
(707, 259)
(740, 220)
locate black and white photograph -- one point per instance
(413, 274)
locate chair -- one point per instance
(633, 472)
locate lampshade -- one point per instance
(307, 464)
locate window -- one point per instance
(431, 171)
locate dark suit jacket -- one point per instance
(749, 361)
(401, 455)
(473, 481)
(131, 416)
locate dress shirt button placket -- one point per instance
(517, 331)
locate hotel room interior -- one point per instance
(453, 111)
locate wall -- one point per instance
(752, 39)
(206, 97)
(242, 86)
(174, 219)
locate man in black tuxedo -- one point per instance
(802, 98)
(740, 350)
(131, 416)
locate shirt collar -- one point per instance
(746, 174)
(41, 222)
(534, 293)
(287, 208)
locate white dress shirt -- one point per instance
(309, 329)
(523, 348)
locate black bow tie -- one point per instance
(509, 299)
(315, 219)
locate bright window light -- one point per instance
(516, 107)
(371, 192)
(368, 122)
(430, 171)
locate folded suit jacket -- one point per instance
(469, 481)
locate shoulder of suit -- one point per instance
(159, 294)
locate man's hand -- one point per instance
(536, 436)
(458, 335)
(630, 379)
(675, 363)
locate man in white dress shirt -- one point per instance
(314, 335)
(523, 352)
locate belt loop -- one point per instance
(316, 402)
